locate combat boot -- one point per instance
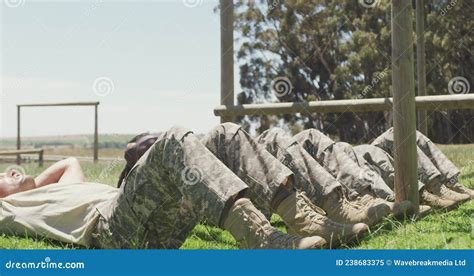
(339, 209)
(436, 201)
(397, 209)
(400, 209)
(452, 195)
(423, 211)
(303, 218)
(253, 231)
(459, 188)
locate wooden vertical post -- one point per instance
(227, 54)
(18, 134)
(404, 113)
(420, 63)
(40, 158)
(96, 133)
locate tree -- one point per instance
(291, 51)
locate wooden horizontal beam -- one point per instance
(439, 102)
(56, 158)
(63, 104)
(16, 152)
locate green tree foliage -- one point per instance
(342, 50)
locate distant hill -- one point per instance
(79, 140)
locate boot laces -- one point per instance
(313, 212)
(256, 226)
(279, 238)
(361, 201)
(268, 235)
(346, 204)
(262, 237)
(448, 192)
(462, 188)
(430, 198)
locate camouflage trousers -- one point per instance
(261, 171)
(357, 168)
(382, 163)
(310, 176)
(434, 168)
(181, 180)
(339, 160)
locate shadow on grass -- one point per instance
(278, 224)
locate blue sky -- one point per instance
(162, 58)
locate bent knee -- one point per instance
(276, 135)
(72, 160)
(309, 133)
(227, 129)
(274, 131)
(178, 132)
(271, 134)
(345, 146)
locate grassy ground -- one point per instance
(439, 230)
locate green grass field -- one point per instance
(439, 230)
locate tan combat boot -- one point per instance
(459, 188)
(452, 195)
(397, 209)
(341, 210)
(303, 218)
(443, 192)
(253, 231)
(400, 209)
(423, 211)
(436, 201)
